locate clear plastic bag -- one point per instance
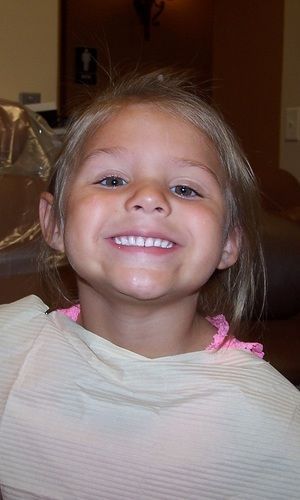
(28, 149)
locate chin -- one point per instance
(141, 293)
(143, 289)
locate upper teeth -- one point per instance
(139, 241)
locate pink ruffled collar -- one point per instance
(222, 340)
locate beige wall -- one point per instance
(290, 151)
(29, 48)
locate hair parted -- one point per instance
(231, 291)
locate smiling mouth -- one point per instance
(140, 241)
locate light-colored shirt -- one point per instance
(82, 418)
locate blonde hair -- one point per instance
(231, 291)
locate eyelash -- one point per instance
(186, 191)
(112, 178)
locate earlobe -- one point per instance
(231, 249)
(50, 229)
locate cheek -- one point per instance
(86, 217)
(83, 210)
(78, 222)
(207, 220)
(207, 231)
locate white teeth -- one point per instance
(139, 241)
(124, 240)
(149, 242)
(131, 240)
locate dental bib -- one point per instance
(83, 418)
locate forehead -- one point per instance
(142, 126)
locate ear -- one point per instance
(231, 249)
(50, 229)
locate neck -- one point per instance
(145, 327)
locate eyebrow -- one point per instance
(186, 162)
(115, 150)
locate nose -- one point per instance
(149, 197)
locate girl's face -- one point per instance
(145, 215)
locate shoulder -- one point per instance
(257, 380)
(17, 318)
(20, 324)
(24, 308)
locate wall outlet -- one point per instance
(29, 97)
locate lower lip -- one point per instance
(148, 250)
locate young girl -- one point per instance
(141, 390)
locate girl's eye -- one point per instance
(184, 191)
(112, 181)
